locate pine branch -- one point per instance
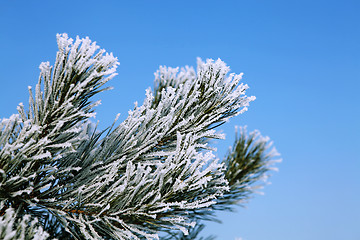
(32, 143)
(153, 172)
(247, 163)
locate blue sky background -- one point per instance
(301, 60)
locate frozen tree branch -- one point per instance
(153, 172)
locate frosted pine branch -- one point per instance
(155, 171)
(247, 163)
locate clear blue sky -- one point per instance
(301, 60)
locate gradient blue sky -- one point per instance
(301, 60)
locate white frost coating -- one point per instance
(61, 145)
(18, 193)
(43, 155)
(63, 41)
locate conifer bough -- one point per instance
(61, 178)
